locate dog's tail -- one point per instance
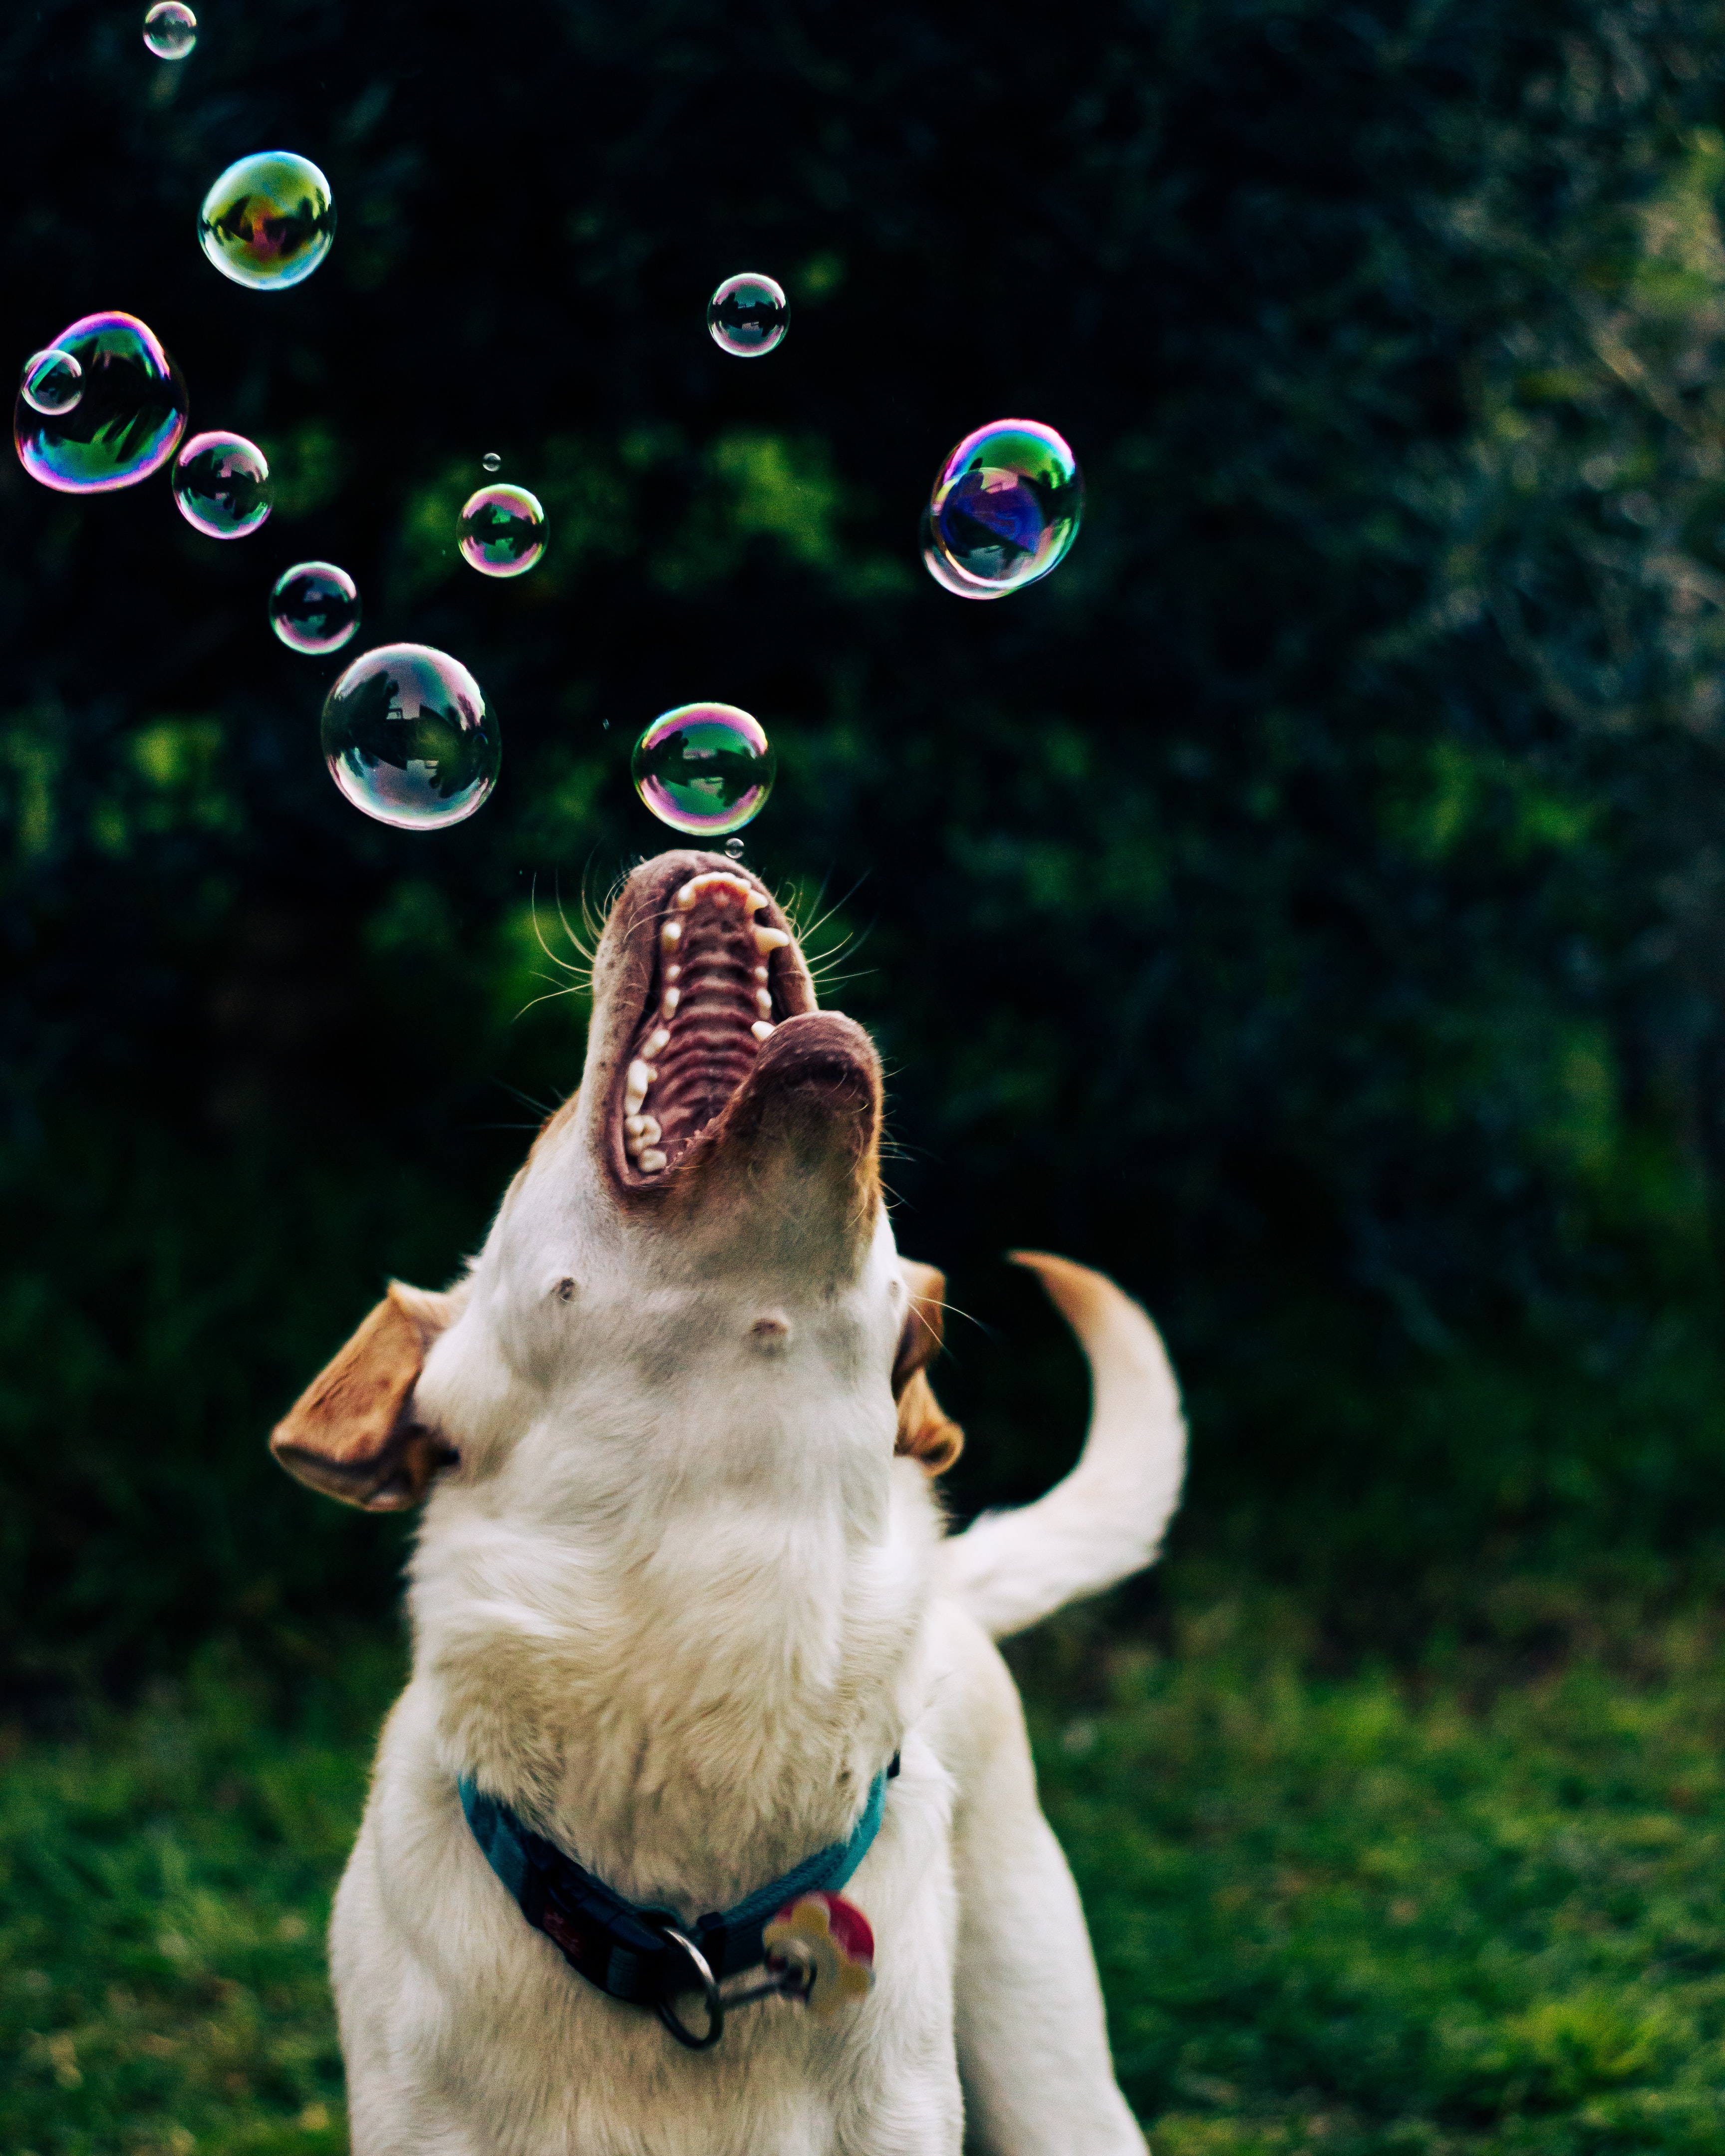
(1105, 1520)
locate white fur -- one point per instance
(677, 1604)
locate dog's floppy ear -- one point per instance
(352, 1432)
(925, 1432)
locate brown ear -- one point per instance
(925, 1432)
(352, 1432)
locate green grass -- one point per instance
(1476, 1908)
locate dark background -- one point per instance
(1306, 905)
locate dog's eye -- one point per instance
(564, 1290)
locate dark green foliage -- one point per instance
(1306, 904)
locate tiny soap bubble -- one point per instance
(126, 423)
(502, 530)
(170, 29)
(491, 462)
(314, 607)
(749, 315)
(408, 739)
(268, 221)
(704, 769)
(734, 848)
(222, 485)
(1006, 508)
(53, 381)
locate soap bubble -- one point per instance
(269, 220)
(221, 485)
(170, 30)
(945, 575)
(125, 426)
(502, 530)
(734, 848)
(704, 769)
(1006, 504)
(491, 462)
(314, 607)
(53, 381)
(749, 315)
(407, 738)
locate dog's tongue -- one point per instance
(711, 1008)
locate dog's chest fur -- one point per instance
(694, 1704)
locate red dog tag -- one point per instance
(832, 1936)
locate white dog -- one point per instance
(688, 1638)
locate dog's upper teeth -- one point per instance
(764, 1002)
(672, 933)
(761, 975)
(722, 886)
(760, 1029)
(635, 1086)
(674, 972)
(654, 1041)
(651, 1162)
(669, 1001)
(769, 940)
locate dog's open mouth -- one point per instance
(720, 985)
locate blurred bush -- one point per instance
(1307, 905)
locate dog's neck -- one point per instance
(684, 1668)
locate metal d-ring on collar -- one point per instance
(790, 1973)
(637, 1953)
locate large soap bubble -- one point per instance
(170, 29)
(126, 424)
(407, 738)
(52, 382)
(749, 315)
(268, 221)
(314, 607)
(502, 530)
(704, 769)
(1006, 506)
(221, 485)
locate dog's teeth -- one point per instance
(651, 1162)
(654, 1041)
(669, 1001)
(651, 1131)
(760, 1029)
(634, 1125)
(672, 933)
(764, 1002)
(686, 897)
(635, 1086)
(761, 975)
(752, 901)
(769, 940)
(674, 972)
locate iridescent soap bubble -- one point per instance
(407, 738)
(52, 382)
(268, 221)
(314, 607)
(704, 769)
(491, 462)
(749, 315)
(125, 426)
(221, 485)
(170, 29)
(945, 575)
(1006, 506)
(502, 530)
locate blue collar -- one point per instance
(620, 1946)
